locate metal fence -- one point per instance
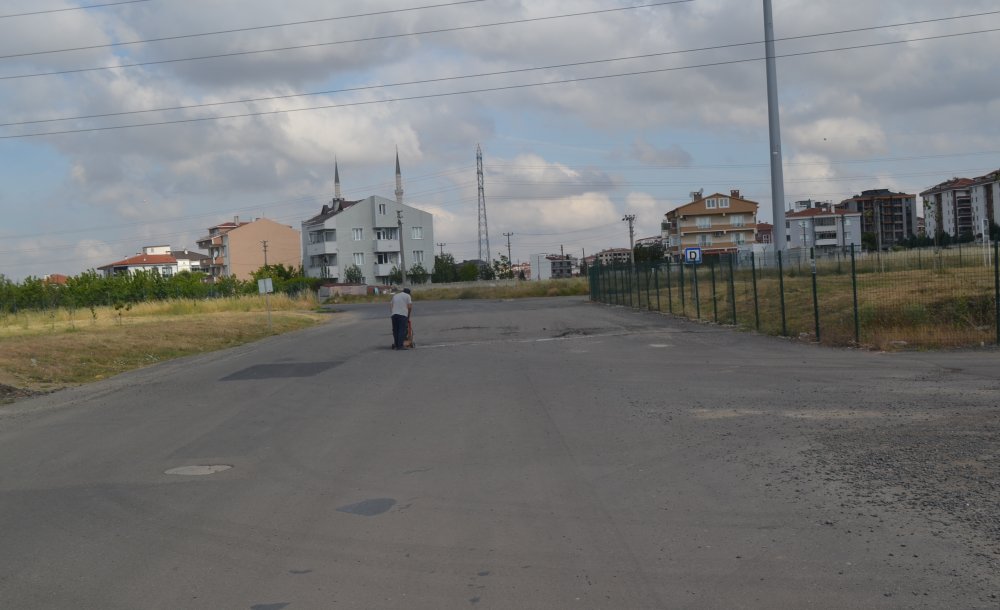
(920, 298)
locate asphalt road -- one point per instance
(545, 453)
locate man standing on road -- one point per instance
(401, 306)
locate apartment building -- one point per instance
(948, 208)
(985, 196)
(375, 234)
(824, 228)
(552, 266)
(152, 258)
(891, 217)
(718, 224)
(239, 248)
(614, 256)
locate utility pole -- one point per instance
(774, 120)
(508, 236)
(264, 243)
(402, 261)
(442, 245)
(267, 294)
(630, 219)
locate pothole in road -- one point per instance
(369, 508)
(197, 471)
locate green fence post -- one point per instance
(715, 301)
(670, 288)
(854, 284)
(815, 296)
(996, 284)
(697, 293)
(781, 288)
(756, 298)
(656, 282)
(732, 289)
(680, 284)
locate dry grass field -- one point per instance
(43, 351)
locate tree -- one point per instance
(353, 275)
(502, 268)
(395, 276)
(469, 272)
(869, 241)
(486, 272)
(647, 253)
(418, 275)
(444, 269)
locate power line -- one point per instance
(356, 40)
(480, 75)
(237, 30)
(72, 8)
(493, 89)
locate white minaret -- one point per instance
(336, 180)
(399, 180)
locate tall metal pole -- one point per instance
(484, 233)
(509, 263)
(774, 119)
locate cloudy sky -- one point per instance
(146, 122)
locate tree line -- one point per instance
(90, 289)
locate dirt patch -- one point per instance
(9, 394)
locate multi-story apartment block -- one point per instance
(152, 258)
(376, 234)
(553, 266)
(948, 208)
(824, 228)
(718, 224)
(614, 256)
(986, 202)
(238, 248)
(891, 217)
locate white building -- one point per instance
(825, 229)
(986, 202)
(948, 208)
(366, 233)
(552, 266)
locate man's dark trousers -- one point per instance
(398, 330)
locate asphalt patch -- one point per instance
(281, 371)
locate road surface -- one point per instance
(544, 453)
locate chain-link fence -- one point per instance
(930, 298)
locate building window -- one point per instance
(359, 234)
(723, 202)
(737, 220)
(417, 232)
(381, 209)
(704, 240)
(359, 259)
(418, 256)
(704, 222)
(384, 258)
(739, 238)
(710, 204)
(331, 235)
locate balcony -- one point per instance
(386, 245)
(218, 261)
(823, 243)
(384, 270)
(323, 247)
(318, 272)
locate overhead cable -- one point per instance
(491, 89)
(71, 8)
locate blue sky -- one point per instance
(564, 162)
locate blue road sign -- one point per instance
(692, 256)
